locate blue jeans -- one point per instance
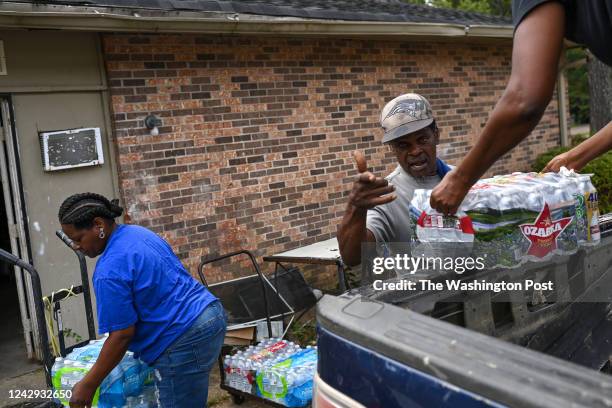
(181, 372)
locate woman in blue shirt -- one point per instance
(147, 302)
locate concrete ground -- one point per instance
(33, 380)
(16, 371)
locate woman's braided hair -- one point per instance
(81, 209)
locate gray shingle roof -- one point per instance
(349, 10)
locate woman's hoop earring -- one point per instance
(102, 234)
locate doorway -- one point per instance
(15, 349)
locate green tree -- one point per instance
(577, 78)
(600, 79)
(494, 7)
(577, 85)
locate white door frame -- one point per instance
(12, 195)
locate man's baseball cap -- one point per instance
(405, 114)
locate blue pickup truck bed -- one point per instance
(418, 350)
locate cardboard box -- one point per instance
(240, 337)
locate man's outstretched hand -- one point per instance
(369, 190)
(447, 196)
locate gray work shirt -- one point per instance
(391, 222)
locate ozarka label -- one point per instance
(543, 233)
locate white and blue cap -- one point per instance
(405, 114)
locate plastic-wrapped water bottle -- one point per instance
(59, 363)
(141, 403)
(132, 385)
(230, 371)
(86, 353)
(227, 368)
(302, 394)
(592, 211)
(147, 376)
(80, 371)
(57, 366)
(111, 390)
(90, 352)
(66, 376)
(150, 395)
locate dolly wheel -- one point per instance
(238, 399)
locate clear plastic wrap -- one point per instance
(515, 218)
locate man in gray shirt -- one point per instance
(378, 208)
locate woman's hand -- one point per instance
(581, 155)
(112, 352)
(82, 394)
(567, 160)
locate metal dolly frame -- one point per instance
(39, 307)
(239, 396)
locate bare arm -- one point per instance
(586, 151)
(352, 234)
(538, 42)
(368, 192)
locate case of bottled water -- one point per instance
(289, 381)
(274, 369)
(130, 384)
(515, 218)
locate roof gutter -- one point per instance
(101, 19)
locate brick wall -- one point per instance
(255, 147)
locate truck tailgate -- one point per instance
(385, 356)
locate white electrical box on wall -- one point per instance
(68, 149)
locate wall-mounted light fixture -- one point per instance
(152, 123)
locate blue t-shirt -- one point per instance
(140, 281)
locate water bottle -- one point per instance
(66, 374)
(111, 390)
(141, 403)
(282, 384)
(592, 210)
(227, 368)
(59, 363)
(87, 353)
(231, 373)
(147, 375)
(149, 395)
(79, 372)
(63, 377)
(57, 384)
(132, 384)
(301, 395)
